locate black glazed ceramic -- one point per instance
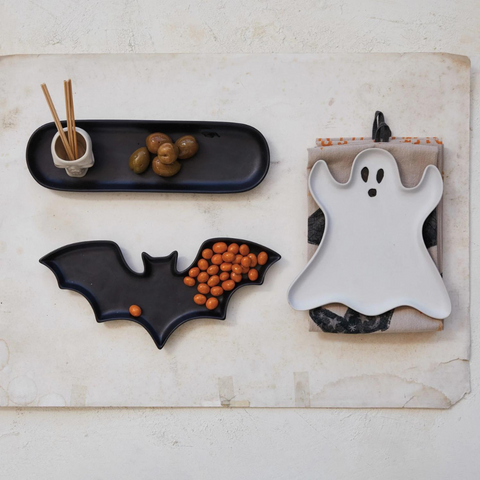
(98, 271)
(232, 158)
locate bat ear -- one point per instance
(150, 262)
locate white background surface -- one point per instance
(214, 443)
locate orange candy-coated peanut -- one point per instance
(252, 274)
(203, 288)
(189, 281)
(203, 277)
(225, 267)
(262, 258)
(212, 303)
(253, 259)
(246, 262)
(135, 310)
(217, 259)
(233, 247)
(228, 257)
(244, 250)
(236, 277)
(200, 299)
(212, 269)
(245, 269)
(213, 281)
(216, 291)
(202, 264)
(224, 276)
(228, 285)
(193, 272)
(238, 258)
(237, 269)
(207, 254)
(220, 247)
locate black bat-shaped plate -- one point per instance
(232, 158)
(98, 271)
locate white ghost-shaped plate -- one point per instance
(372, 256)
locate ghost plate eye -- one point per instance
(380, 175)
(364, 174)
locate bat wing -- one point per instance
(98, 271)
(91, 269)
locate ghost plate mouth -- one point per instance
(372, 192)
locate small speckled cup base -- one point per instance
(74, 168)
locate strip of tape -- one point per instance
(302, 389)
(226, 392)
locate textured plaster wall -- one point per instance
(264, 444)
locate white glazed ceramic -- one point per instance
(372, 257)
(74, 168)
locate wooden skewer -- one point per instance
(68, 116)
(57, 122)
(72, 112)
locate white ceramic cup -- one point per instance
(74, 168)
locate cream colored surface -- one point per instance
(218, 443)
(59, 354)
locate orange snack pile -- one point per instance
(220, 269)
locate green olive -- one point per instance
(168, 153)
(187, 147)
(139, 160)
(165, 170)
(156, 139)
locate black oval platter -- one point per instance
(232, 158)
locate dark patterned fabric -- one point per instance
(316, 227)
(430, 230)
(352, 323)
